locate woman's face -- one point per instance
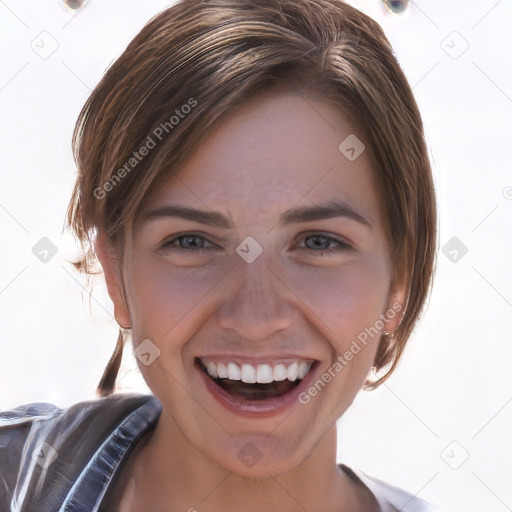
(261, 285)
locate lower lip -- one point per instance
(254, 408)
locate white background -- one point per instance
(451, 396)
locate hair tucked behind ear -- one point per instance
(108, 379)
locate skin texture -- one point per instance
(278, 151)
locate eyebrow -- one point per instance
(329, 210)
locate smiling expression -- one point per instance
(260, 261)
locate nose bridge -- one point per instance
(256, 304)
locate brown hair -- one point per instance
(212, 55)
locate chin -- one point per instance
(262, 456)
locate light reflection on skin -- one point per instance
(277, 152)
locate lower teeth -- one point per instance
(256, 391)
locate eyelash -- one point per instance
(342, 246)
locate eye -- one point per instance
(322, 242)
(189, 241)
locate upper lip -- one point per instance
(242, 358)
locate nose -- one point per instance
(258, 303)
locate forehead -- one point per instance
(276, 150)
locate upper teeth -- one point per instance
(260, 373)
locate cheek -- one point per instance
(170, 301)
(346, 299)
(165, 295)
(168, 305)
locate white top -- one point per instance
(390, 498)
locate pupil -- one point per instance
(317, 238)
(188, 241)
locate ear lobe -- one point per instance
(395, 308)
(109, 261)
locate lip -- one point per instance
(255, 361)
(262, 408)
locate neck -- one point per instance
(170, 474)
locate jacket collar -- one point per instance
(90, 487)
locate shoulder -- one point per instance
(40, 441)
(35, 421)
(389, 497)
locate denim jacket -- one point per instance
(63, 460)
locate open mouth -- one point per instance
(256, 383)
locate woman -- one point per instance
(254, 181)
